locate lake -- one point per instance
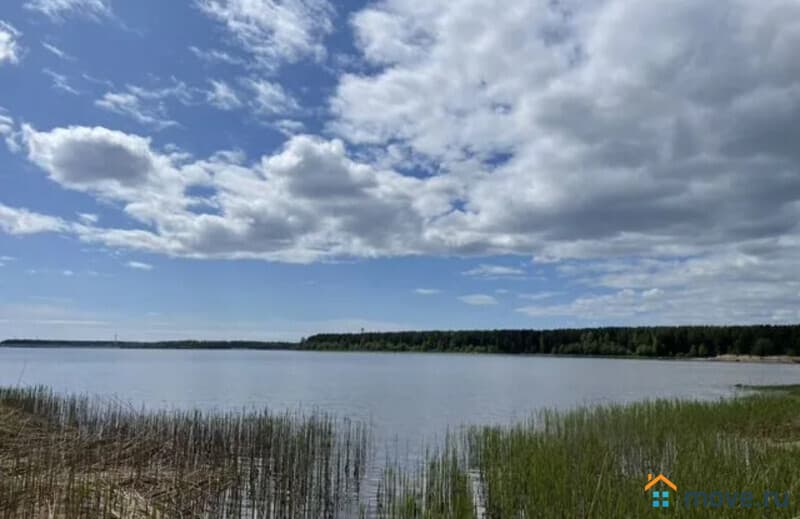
(409, 398)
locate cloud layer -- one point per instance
(648, 148)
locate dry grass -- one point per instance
(72, 457)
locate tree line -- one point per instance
(653, 341)
(163, 345)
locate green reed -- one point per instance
(592, 462)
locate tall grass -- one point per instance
(439, 489)
(73, 457)
(593, 462)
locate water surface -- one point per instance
(409, 398)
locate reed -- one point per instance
(74, 457)
(440, 488)
(592, 462)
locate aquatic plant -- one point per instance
(77, 457)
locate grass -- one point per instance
(593, 462)
(73, 457)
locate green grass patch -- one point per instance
(593, 462)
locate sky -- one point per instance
(264, 169)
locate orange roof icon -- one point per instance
(651, 481)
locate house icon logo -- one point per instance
(660, 497)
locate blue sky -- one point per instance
(263, 169)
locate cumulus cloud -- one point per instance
(478, 299)
(588, 146)
(93, 159)
(645, 175)
(59, 9)
(427, 291)
(304, 202)
(21, 221)
(275, 32)
(10, 50)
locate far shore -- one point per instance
(772, 359)
(289, 346)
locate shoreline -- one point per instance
(753, 359)
(254, 346)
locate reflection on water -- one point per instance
(408, 398)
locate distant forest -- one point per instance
(660, 341)
(164, 345)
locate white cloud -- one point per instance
(270, 98)
(88, 218)
(568, 141)
(67, 273)
(479, 299)
(138, 265)
(60, 82)
(147, 106)
(275, 32)
(540, 129)
(726, 287)
(538, 296)
(129, 105)
(59, 9)
(494, 272)
(223, 96)
(290, 127)
(93, 159)
(427, 291)
(6, 123)
(216, 56)
(57, 51)
(21, 221)
(8, 131)
(305, 202)
(10, 51)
